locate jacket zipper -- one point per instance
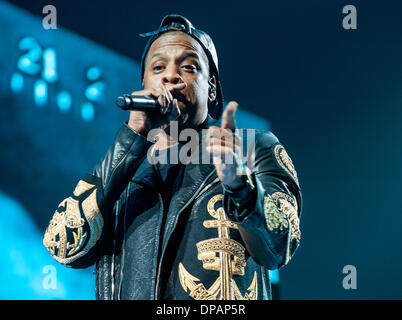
(112, 271)
(157, 271)
(156, 294)
(124, 242)
(117, 214)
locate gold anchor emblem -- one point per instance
(221, 254)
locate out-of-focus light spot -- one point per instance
(95, 91)
(28, 66)
(274, 276)
(25, 62)
(94, 73)
(87, 111)
(29, 61)
(27, 42)
(64, 101)
(40, 93)
(49, 75)
(17, 82)
(50, 65)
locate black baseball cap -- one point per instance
(175, 22)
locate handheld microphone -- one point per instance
(130, 102)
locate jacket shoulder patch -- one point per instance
(285, 162)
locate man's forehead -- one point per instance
(179, 41)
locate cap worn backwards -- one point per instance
(175, 22)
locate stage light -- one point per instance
(95, 91)
(94, 73)
(28, 62)
(40, 93)
(64, 101)
(87, 111)
(49, 72)
(17, 82)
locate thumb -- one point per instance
(228, 117)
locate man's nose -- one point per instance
(171, 76)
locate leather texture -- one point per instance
(143, 242)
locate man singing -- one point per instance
(182, 229)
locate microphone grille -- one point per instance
(122, 101)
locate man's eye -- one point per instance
(157, 68)
(190, 67)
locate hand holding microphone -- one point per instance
(162, 102)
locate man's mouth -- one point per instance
(180, 97)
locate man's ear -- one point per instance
(212, 89)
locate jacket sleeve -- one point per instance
(269, 223)
(75, 232)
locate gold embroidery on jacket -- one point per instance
(274, 218)
(81, 187)
(221, 254)
(285, 161)
(69, 221)
(288, 205)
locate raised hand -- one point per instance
(222, 143)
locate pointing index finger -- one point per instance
(228, 117)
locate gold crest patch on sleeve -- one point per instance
(285, 162)
(274, 218)
(65, 237)
(288, 205)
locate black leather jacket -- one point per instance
(203, 246)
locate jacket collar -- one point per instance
(145, 174)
